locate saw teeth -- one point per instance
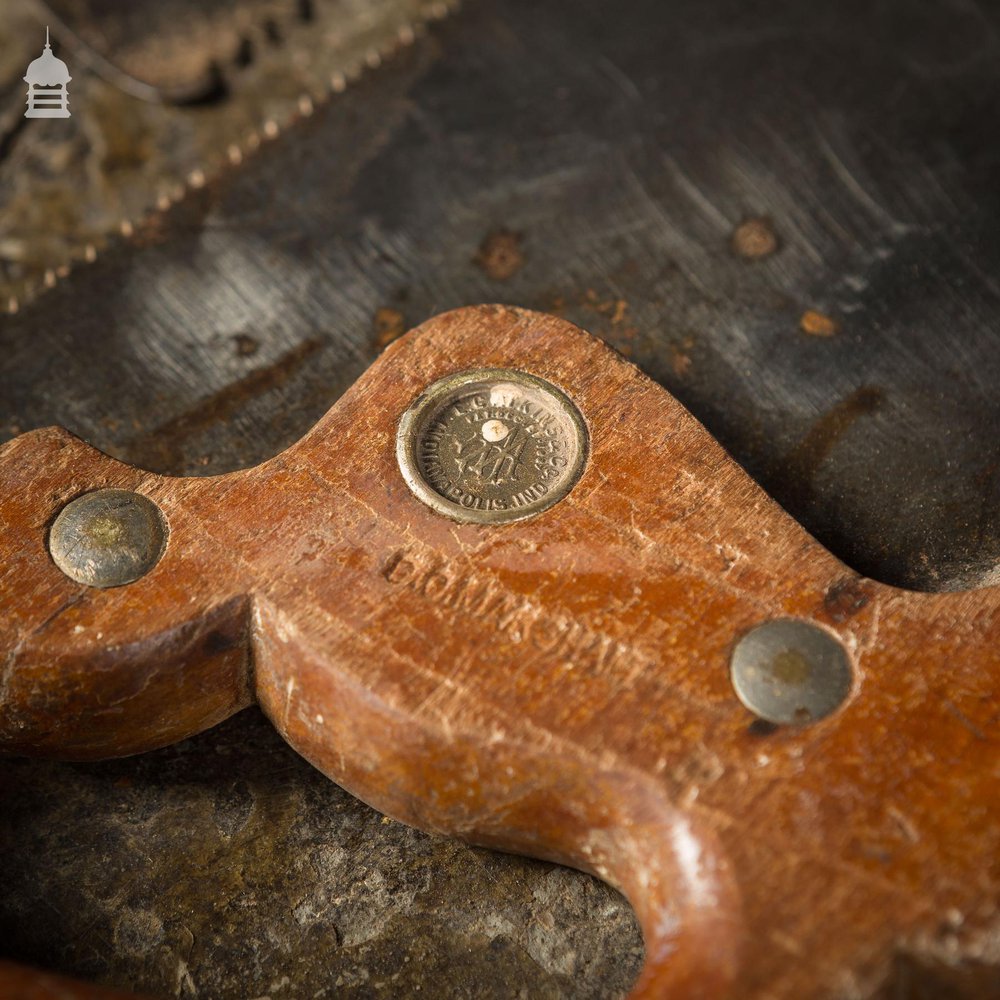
(406, 35)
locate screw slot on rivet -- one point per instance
(790, 672)
(108, 538)
(491, 445)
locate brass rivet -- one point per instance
(108, 538)
(491, 445)
(790, 672)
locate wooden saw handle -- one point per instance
(557, 686)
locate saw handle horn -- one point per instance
(509, 589)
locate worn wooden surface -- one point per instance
(578, 707)
(600, 166)
(566, 164)
(226, 866)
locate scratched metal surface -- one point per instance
(598, 164)
(163, 95)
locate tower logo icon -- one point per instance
(47, 78)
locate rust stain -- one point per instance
(557, 305)
(817, 324)
(151, 231)
(500, 256)
(387, 325)
(614, 309)
(809, 454)
(754, 239)
(246, 346)
(612, 315)
(164, 445)
(680, 358)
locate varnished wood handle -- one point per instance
(558, 686)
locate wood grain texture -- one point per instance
(558, 686)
